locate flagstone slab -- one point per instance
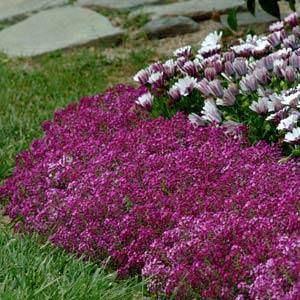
(200, 9)
(170, 26)
(115, 4)
(55, 29)
(246, 18)
(10, 9)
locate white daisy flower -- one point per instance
(196, 119)
(212, 39)
(145, 100)
(289, 122)
(183, 51)
(210, 111)
(156, 77)
(293, 136)
(186, 85)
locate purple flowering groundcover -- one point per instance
(197, 209)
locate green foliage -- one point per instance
(164, 106)
(270, 6)
(136, 22)
(232, 20)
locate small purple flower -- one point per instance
(292, 19)
(210, 112)
(142, 76)
(294, 61)
(279, 67)
(262, 76)
(275, 103)
(260, 106)
(243, 50)
(228, 68)
(186, 85)
(210, 73)
(289, 74)
(156, 67)
(228, 98)
(283, 34)
(208, 62)
(283, 53)
(249, 83)
(174, 93)
(145, 100)
(157, 79)
(290, 42)
(289, 122)
(277, 26)
(296, 31)
(207, 51)
(261, 48)
(217, 65)
(181, 61)
(233, 129)
(183, 51)
(293, 136)
(269, 61)
(233, 88)
(291, 98)
(216, 88)
(229, 56)
(196, 120)
(203, 87)
(190, 69)
(169, 67)
(240, 66)
(274, 38)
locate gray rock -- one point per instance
(10, 9)
(115, 4)
(245, 18)
(170, 26)
(56, 28)
(200, 9)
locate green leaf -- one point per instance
(232, 20)
(251, 6)
(292, 4)
(271, 7)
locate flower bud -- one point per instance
(292, 19)
(249, 83)
(228, 68)
(289, 74)
(229, 56)
(210, 73)
(261, 74)
(240, 66)
(216, 88)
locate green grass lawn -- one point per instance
(30, 91)
(31, 270)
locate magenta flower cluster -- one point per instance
(200, 212)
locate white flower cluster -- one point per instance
(246, 69)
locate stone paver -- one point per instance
(57, 28)
(10, 9)
(194, 8)
(246, 18)
(115, 4)
(170, 26)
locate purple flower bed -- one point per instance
(195, 208)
